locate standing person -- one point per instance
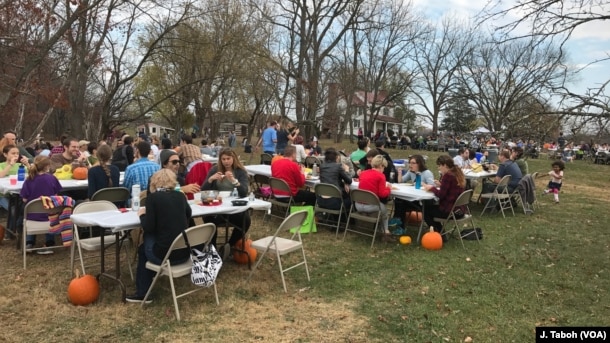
(268, 139)
(142, 169)
(288, 170)
(374, 180)
(561, 141)
(226, 175)
(285, 137)
(232, 139)
(104, 175)
(334, 173)
(154, 147)
(450, 187)
(556, 175)
(123, 155)
(165, 216)
(38, 183)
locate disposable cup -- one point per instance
(12, 180)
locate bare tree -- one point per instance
(499, 77)
(438, 58)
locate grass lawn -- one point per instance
(545, 269)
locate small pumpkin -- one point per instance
(414, 217)
(241, 257)
(432, 240)
(83, 290)
(80, 173)
(405, 240)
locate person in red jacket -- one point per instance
(288, 169)
(374, 180)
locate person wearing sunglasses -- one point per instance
(170, 160)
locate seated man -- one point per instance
(462, 159)
(288, 169)
(142, 169)
(506, 167)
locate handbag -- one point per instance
(309, 225)
(206, 264)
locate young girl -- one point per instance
(556, 179)
(10, 167)
(38, 183)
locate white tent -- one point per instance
(481, 129)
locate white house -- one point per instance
(362, 100)
(155, 129)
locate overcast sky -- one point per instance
(588, 43)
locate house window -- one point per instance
(153, 130)
(386, 111)
(356, 123)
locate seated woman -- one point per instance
(165, 216)
(10, 166)
(229, 173)
(417, 165)
(450, 187)
(373, 180)
(39, 182)
(334, 173)
(103, 175)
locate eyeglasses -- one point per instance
(174, 162)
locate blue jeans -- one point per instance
(145, 276)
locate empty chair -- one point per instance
(116, 195)
(197, 235)
(282, 246)
(310, 160)
(452, 223)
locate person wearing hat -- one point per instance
(83, 147)
(268, 139)
(170, 160)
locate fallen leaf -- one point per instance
(468, 259)
(468, 339)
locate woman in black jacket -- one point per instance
(333, 172)
(166, 215)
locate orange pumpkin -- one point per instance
(80, 173)
(432, 240)
(242, 257)
(83, 290)
(414, 217)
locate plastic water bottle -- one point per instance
(234, 194)
(251, 196)
(21, 173)
(135, 197)
(418, 181)
(314, 170)
(177, 188)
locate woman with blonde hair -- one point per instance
(373, 180)
(447, 190)
(166, 215)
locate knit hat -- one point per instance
(165, 155)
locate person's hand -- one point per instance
(216, 177)
(437, 183)
(141, 211)
(12, 161)
(191, 188)
(358, 172)
(229, 175)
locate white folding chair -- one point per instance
(374, 217)
(197, 235)
(33, 227)
(325, 190)
(453, 224)
(282, 246)
(499, 197)
(93, 243)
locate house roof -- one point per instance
(388, 119)
(363, 98)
